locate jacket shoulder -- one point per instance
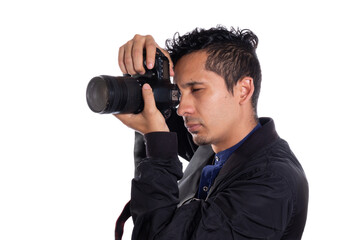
(278, 159)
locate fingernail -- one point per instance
(150, 65)
(147, 86)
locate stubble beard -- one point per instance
(200, 140)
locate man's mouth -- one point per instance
(193, 127)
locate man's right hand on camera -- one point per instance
(147, 121)
(131, 55)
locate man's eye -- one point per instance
(196, 89)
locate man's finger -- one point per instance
(128, 58)
(125, 118)
(150, 46)
(149, 101)
(121, 60)
(137, 53)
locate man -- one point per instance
(243, 181)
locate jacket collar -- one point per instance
(259, 140)
(188, 185)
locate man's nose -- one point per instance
(186, 106)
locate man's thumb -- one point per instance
(148, 96)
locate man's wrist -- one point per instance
(161, 144)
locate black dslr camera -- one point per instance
(107, 94)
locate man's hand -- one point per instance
(131, 55)
(131, 62)
(150, 119)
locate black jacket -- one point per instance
(260, 193)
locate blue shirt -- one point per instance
(210, 172)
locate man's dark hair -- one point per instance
(231, 54)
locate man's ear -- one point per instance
(244, 89)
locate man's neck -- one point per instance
(236, 136)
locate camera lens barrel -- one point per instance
(107, 94)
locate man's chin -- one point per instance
(200, 140)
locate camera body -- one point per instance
(120, 95)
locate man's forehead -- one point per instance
(190, 68)
(193, 59)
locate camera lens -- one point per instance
(107, 94)
(97, 95)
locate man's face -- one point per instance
(210, 111)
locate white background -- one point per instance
(65, 172)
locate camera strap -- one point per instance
(124, 216)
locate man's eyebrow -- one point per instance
(191, 84)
